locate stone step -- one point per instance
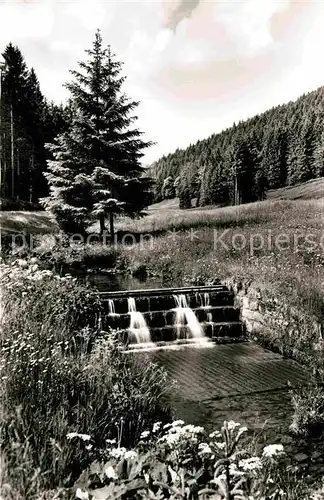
(214, 331)
(154, 292)
(156, 319)
(178, 344)
(154, 303)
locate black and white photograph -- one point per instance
(162, 250)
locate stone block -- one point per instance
(253, 316)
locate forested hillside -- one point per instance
(27, 122)
(281, 147)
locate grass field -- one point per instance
(277, 244)
(163, 215)
(26, 222)
(311, 190)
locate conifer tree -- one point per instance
(96, 170)
(13, 103)
(319, 157)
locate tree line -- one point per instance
(281, 147)
(27, 122)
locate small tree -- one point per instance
(96, 170)
(168, 190)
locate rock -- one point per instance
(254, 305)
(245, 302)
(253, 316)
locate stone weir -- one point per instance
(173, 315)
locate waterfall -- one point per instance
(204, 301)
(186, 317)
(138, 326)
(111, 307)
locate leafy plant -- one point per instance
(178, 461)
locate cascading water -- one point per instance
(111, 307)
(204, 300)
(207, 306)
(138, 327)
(186, 317)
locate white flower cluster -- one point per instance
(84, 437)
(204, 449)
(249, 464)
(177, 430)
(272, 450)
(118, 452)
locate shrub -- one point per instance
(308, 404)
(59, 374)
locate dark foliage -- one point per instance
(283, 146)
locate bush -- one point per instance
(59, 375)
(308, 404)
(62, 255)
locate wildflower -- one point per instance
(204, 449)
(215, 434)
(84, 437)
(118, 452)
(272, 450)
(241, 431)
(250, 463)
(22, 263)
(130, 455)
(193, 429)
(145, 434)
(233, 470)
(232, 425)
(176, 423)
(156, 426)
(171, 439)
(110, 472)
(82, 495)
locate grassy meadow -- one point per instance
(274, 244)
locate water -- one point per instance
(204, 302)
(116, 282)
(138, 327)
(240, 382)
(184, 316)
(111, 307)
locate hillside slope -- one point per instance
(310, 190)
(283, 146)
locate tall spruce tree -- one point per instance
(13, 103)
(96, 170)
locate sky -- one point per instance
(196, 65)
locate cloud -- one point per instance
(88, 14)
(179, 12)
